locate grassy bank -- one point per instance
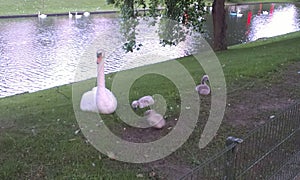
(14, 7)
(37, 131)
(18, 7)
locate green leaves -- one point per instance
(179, 19)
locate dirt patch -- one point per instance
(254, 105)
(144, 135)
(247, 107)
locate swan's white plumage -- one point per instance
(155, 119)
(203, 88)
(77, 16)
(106, 101)
(70, 15)
(42, 16)
(86, 14)
(143, 102)
(265, 12)
(99, 99)
(88, 101)
(238, 14)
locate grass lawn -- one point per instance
(51, 6)
(37, 130)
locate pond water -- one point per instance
(38, 54)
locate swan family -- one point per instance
(101, 100)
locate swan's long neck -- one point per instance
(100, 75)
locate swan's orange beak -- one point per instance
(99, 59)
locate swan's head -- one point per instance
(100, 55)
(204, 79)
(134, 104)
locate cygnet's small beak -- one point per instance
(134, 109)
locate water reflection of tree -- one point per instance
(177, 20)
(129, 22)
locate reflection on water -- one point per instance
(39, 54)
(272, 23)
(260, 21)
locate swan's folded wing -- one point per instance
(88, 101)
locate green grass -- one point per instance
(38, 141)
(13, 7)
(19, 7)
(271, 55)
(37, 130)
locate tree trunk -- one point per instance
(220, 25)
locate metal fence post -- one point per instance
(231, 143)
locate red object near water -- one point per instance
(249, 16)
(271, 9)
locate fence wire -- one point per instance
(271, 151)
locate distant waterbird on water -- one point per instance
(42, 16)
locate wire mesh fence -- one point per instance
(214, 169)
(271, 151)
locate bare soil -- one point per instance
(254, 105)
(248, 106)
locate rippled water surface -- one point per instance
(38, 54)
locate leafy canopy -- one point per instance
(176, 19)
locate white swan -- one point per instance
(77, 16)
(86, 14)
(143, 102)
(239, 14)
(70, 15)
(42, 16)
(154, 119)
(203, 88)
(99, 99)
(265, 12)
